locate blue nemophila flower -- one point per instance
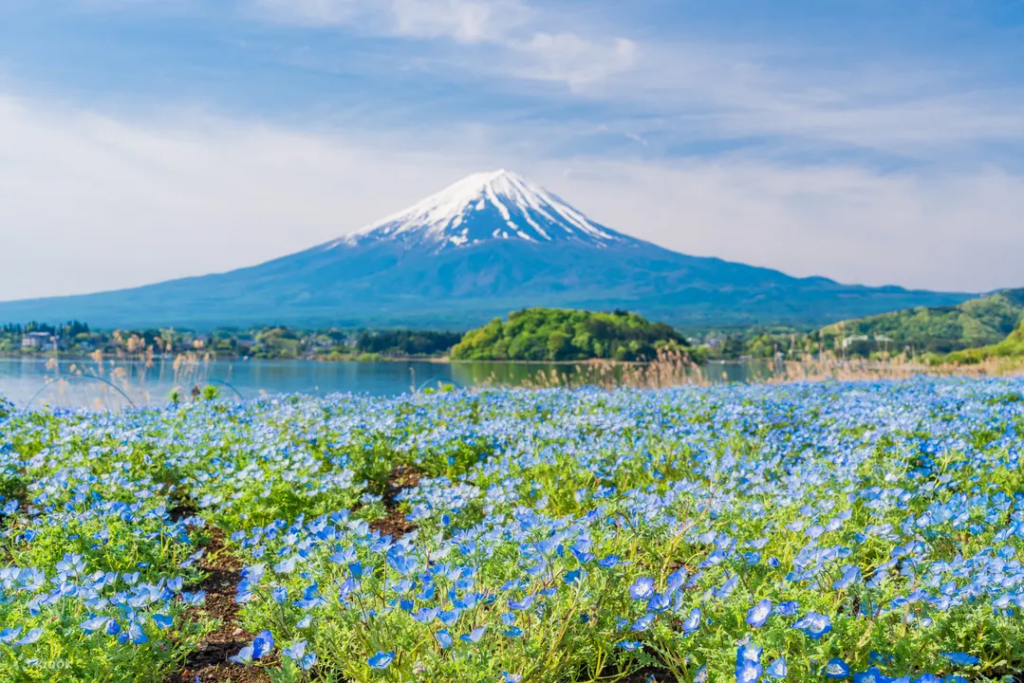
(381, 660)
(608, 562)
(836, 668)
(659, 602)
(262, 644)
(630, 645)
(163, 621)
(961, 658)
(30, 637)
(244, 656)
(403, 564)
(574, 577)
(759, 614)
(777, 669)
(675, 580)
(928, 678)
(197, 598)
(643, 623)
(850, 575)
(748, 663)
(444, 638)
(89, 625)
(786, 609)
(692, 622)
(512, 678)
(135, 635)
(297, 653)
(814, 625)
(872, 675)
(642, 588)
(521, 604)
(473, 636)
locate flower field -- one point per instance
(841, 531)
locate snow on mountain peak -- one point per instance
(499, 205)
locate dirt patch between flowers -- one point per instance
(209, 663)
(395, 524)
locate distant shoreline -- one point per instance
(354, 359)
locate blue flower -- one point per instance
(262, 644)
(244, 656)
(136, 635)
(814, 625)
(642, 588)
(692, 622)
(444, 638)
(836, 668)
(298, 654)
(643, 623)
(777, 669)
(163, 621)
(89, 626)
(381, 660)
(850, 575)
(30, 637)
(872, 675)
(474, 636)
(748, 663)
(630, 645)
(961, 658)
(759, 614)
(574, 576)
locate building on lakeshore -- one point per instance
(37, 341)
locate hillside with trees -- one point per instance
(1011, 348)
(979, 322)
(543, 334)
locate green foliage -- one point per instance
(1011, 348)
(974, 323)
(544, 334)
(406, 342)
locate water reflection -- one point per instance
(116, 384)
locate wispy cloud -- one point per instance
(510, 25)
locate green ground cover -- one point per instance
(862, 531)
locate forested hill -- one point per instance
(1011, 348)
(975, 323)
(541, 334)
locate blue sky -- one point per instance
(872, 142)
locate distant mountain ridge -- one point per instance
(489, 244)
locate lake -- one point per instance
(115, 384)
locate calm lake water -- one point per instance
(84, 383)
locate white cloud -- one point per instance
(575, 60)
(510, 25)
(942, 230)
(466, 21)
(311, 12)
(726, 91)
(94, 202)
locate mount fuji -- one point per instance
(490, 243)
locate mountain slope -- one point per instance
(489, 244)
(978, 322)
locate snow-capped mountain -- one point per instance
(485, 206)
(489, 244)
